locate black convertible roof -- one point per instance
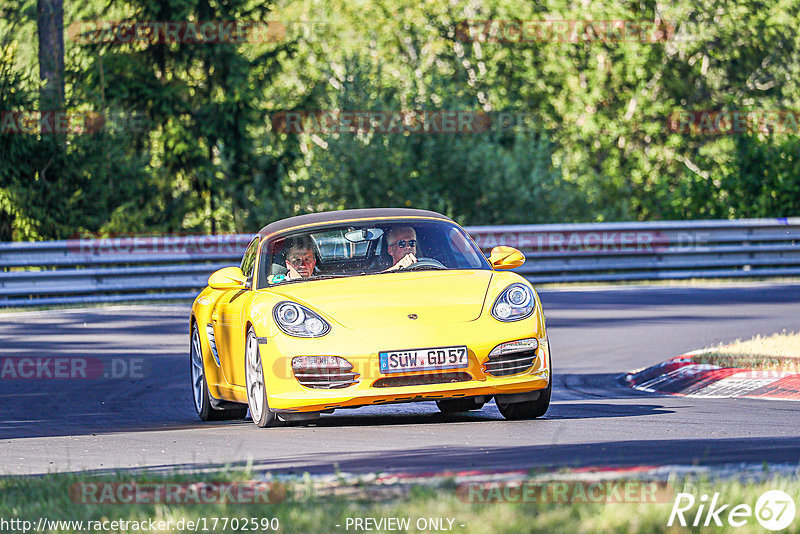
(346, 215)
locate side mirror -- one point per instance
(228, 278)
(506, 258)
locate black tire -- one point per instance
(260, 411)
(528, 409)
(200, 396)
(458, 405)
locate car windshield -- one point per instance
(367, 248)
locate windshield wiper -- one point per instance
(313, 277)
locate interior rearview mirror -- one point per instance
(364, 234)
(503, 257)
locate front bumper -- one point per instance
(286, 395)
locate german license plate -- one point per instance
(403, 361)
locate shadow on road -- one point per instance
(617, 454)
(43, 408)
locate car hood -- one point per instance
(383, 299)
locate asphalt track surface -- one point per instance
(594, 420)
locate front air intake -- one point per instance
(421, 380)
(212, 342)
(324, 372)
(510, 364)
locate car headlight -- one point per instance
(521, 345)
(299, 321)
(514, 303)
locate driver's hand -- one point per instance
(292, 274)
(408, 260)
(405, 261)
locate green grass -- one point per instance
(314, 509)
(779, 351)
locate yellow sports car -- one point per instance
(367, 307)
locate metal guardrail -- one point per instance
(177, 267)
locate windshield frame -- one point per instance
(265, 258)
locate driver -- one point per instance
(300, 259)
(402, 244)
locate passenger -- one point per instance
(300, 259)
(402, 245)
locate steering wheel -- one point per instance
(425, 263)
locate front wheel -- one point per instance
(527, 409)
(202, 400)
(256, 385)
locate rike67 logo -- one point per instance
(774, 510)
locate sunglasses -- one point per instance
(402, 243)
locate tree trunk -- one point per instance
(6, 226)
(50, 22)
(211, 203)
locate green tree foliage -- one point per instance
(206, 105)
(17, 154)
(48, 190)
(497, 172)
(205, 157)
(604, 104)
